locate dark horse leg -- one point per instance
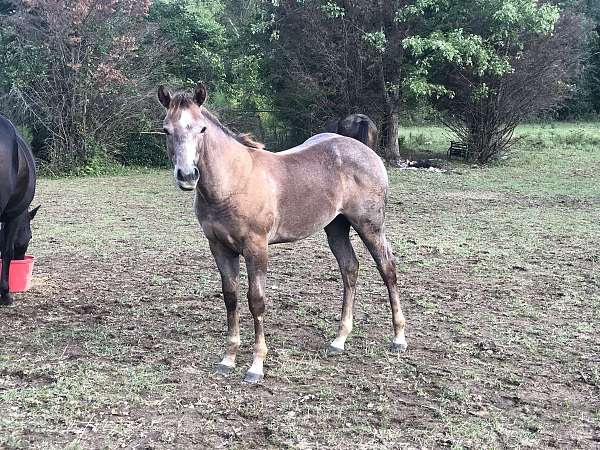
(374, 238)
(256, 257)
(9, 230)
(339, 241)
(228, 263)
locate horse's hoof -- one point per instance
(253, 377)
(332, 350)
(398, 347)
(6, 300)
(224, 369)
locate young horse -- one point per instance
(357, 126)
(17, 187)
(247, 198)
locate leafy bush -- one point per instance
(145, 149)
(92, 71)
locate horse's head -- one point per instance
(24, 233)
(184, 125)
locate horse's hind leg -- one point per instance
(374, 238)
(228, 263)
(339, 242)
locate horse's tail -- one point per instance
(363, 132)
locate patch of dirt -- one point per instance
(117, 341)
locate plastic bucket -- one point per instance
(19, 275)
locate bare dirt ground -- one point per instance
(115, 345)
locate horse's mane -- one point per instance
(184, 100)
(248, 140)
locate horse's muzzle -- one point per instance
(187, 181)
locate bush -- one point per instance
(145, 149)
(87, 89)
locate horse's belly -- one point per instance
(297, 225)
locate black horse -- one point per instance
(17, 188)
(357, 126)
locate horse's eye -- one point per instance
(203, 130)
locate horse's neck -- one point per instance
(224, 166)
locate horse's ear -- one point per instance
(200, 94)
(33, 212)
(164, 96)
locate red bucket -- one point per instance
(19, 275)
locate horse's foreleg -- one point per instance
(256, 262)
(8, 231)
(228, 263)
(339, 241)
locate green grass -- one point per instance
(554, 159)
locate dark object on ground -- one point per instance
(426, 164)
(458, 149)
(17, 188)
(357, 126)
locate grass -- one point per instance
(115, 345)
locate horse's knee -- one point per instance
(257, 306)
(256, 301)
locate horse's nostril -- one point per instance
(187, 177)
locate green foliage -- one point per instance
(376, 39)
(73, 75)
(303, 61)
(20, 62)
(499, 29)
(212, 42)
(332, 10)
(586, 99)
(197, 39)
(333, 58)
(144, 149)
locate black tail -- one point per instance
(363, 132)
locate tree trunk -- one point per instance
(391, 149)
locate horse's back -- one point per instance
(342, 168)
(338, 153)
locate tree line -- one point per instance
(80, 76)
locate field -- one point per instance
(115, 345)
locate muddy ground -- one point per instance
(115, 345)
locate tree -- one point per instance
(336, 58)
(586, 98)
(384, 54)
(96, 67)
(211, 43)
(511, 59)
